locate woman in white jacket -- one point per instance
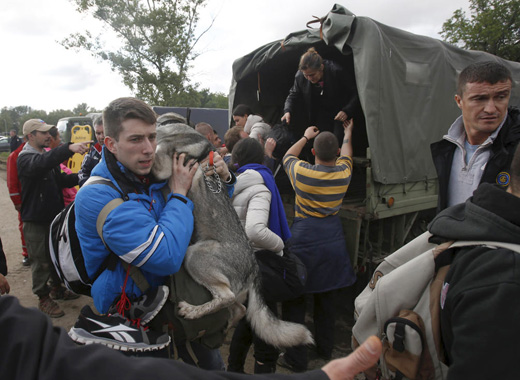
(259, 206)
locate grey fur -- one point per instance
(221, 258)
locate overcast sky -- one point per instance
(35, 70)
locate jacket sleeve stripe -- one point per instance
(134, 253)
(152, 251)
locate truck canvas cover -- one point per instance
(406, 85)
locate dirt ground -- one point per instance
(19, 278)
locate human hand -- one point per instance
(18, 207)
(217, 164)
(80, 148)
(182, 174)
(348, 125)
(269, 147)
(287, 117)
(364, 357)
(311, 132)
(4, 285)
(341, 116)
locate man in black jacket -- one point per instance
(479, 298)
(15, 140)
(480, 144)
(42, 199)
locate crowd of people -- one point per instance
(152, 229)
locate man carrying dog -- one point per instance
(148, 230)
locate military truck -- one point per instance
(406, 85)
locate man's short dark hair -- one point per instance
(479, 72)
(232, 136)
(242, 110)
(326, 146)
(123, 109)
(53, 132)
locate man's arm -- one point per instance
(309, 134)
(346, 146)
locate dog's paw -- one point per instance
(187, 311)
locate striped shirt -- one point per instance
(319, 189)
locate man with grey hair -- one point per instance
(479, 145)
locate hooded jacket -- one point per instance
(479, 303)
(252, 201)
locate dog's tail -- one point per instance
(271, 329)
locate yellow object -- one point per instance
(79, 133)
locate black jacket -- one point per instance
(479, 317)
(502, 152)
(15, 143)
(49, 353)
(339, 94)
(42, 182)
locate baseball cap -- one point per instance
(35, 125)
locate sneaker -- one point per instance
(60, 293)
(49, 307)
(26, 261)
(144, 308)
(116, 332)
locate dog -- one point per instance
(221, 258)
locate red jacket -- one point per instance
(13, 183)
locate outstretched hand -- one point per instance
(363, 358)
(80, 148)
(4, 285)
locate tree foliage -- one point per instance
(493, 26)
(15, 117)
(156, 45)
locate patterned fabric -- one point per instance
(314, 196)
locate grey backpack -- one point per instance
(401, 305)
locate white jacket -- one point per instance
(252, 202)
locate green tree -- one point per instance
(212, 100)
(493, 26)
(156, 45)
(55, 115)
(82, 109)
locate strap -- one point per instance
(490, 244)
(103, 214)
(138, 276)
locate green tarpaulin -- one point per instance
(406, 84)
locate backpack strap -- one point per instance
(490, 244)
(135, 272)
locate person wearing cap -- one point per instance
(42, 181)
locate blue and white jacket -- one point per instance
(146, 230)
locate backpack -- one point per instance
(401, 305)
(65, 250)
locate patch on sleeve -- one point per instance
(503, 178)
(444, 293)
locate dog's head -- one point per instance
(179, 138)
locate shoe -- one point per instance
(60, 293)
(26, 261)
(144, 308)
(116, 332)
(49, 307)
(282, 362)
